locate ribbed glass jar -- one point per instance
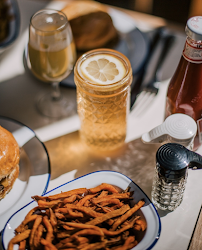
(167, 194)
(103, 108)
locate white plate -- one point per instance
(91, 180)
(34, 172)
(132, 43)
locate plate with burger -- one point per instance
(24, 167)
(95, 25)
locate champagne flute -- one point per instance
(51, 56)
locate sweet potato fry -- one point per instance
(47, 204)
(109, 215)
(94, 246)
(103, 194)
(68, 245)
(85, 198)
(27, 219)
(129, 243)
(142, 224)
(59, 215)
(87, 203)
(22, 245)
(70, 199)
(38, 235)
(112, 196)
(82, 226)
(105, 209)
(67, 228)
(49, 234)
(66, 194)
(18, 238)
(70, 248)
(87, 210)
(88, 232)
(108, 202)
(137, 227)
(128, 214)
(103, 186)
(62, 242)
(53, 219)
(37, 222)
(62, 234)
(70, 212)
(124, 228)
(37, 197)
(48, 244)
(81, 240)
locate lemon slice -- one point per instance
(103, 69)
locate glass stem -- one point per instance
(56, 95)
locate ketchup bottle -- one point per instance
(185, 89)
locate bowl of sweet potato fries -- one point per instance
(101, 210)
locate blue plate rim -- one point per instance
(45, 149)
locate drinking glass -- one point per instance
(103, 98)
(51, 56)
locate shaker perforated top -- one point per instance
(173, 160)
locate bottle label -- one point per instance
(199, 125)
(192, 54)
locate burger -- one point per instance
(91, 24)
(9, 161)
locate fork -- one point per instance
(147, 95)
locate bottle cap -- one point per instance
(173, 160)
(179, 128)
(194, 28)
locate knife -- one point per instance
(159, 35)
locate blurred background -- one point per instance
(173, 10)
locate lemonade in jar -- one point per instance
(103, 78)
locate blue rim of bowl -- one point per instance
(16, 29)
(159, 221)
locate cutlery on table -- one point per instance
(150, 90)
(153, 38)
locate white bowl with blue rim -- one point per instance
(94, 179)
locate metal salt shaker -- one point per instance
(172, 163)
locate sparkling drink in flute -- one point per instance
(103, 78)
(51, 57)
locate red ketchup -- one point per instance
(184, 93)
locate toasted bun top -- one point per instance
(91, 24)
(9, 152)
(78, 8)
